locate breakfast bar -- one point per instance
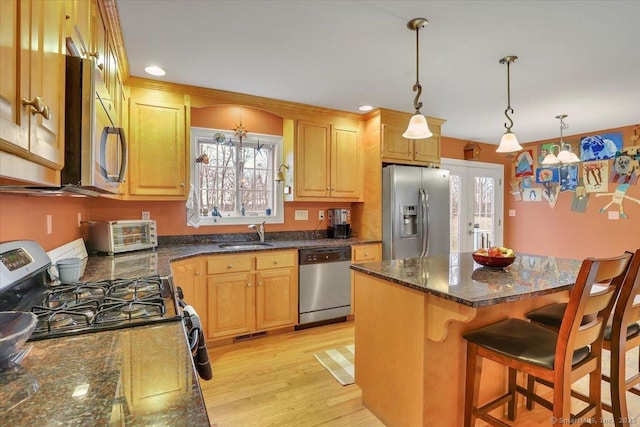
(411, 314)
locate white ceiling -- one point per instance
(580, 58)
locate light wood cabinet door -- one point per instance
(312, 160)
(394, 145)
(231, 305)
(276, 298)
(79, 25)
(370, 252)
(427, 150)
(344, 160)
(157, 149)
(189, 276)
(33, 71)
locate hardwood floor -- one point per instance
(276, 381)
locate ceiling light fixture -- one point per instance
(365, 108)
(565, 155)
(155, 70)
(508, 142)
(418, 127)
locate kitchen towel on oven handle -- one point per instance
(198, 344)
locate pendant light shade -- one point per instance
(418, 127)
(508, 142)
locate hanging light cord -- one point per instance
(509, 109)
(417, 104)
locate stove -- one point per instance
(83, 307)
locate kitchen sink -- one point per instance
(245, 245)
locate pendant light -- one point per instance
(565, 155)
(418, 127)
(509, 142)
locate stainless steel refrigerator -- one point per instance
(415, 212)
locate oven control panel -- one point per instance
(20, 259)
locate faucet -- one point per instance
(259, 229)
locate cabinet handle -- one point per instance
(37, 107)
(95, 55)
(248, 285)
(275, 261)
(230, 266)
(366, 254)
(197, 273)
(259, 283)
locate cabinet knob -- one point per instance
(248, 285)
(95, 55)
(37, 107)
(366, 254)
(275, 261)
(197, 273)
(259, 283)
(333, 188)
(328, 188)
(230, 266)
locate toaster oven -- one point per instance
(115, 237)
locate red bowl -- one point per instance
(493, 261)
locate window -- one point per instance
(235, 178)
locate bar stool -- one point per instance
(626, 312)
(557, 358)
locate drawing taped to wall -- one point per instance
(547, 175)
(524, 163)
(600, 147)
(618, 198)
(580, 199)
(594, 175)
(568, 177)
(626, 166)
(532, 195)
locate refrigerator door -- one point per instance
(415, 212)
(435, 214)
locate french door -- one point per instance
(476, 198)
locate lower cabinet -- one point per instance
(251, 292)
(369, 252)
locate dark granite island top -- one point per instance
(456, 277)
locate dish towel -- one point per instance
(193, 208)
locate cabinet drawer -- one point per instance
(229, 263)
(276, 260)
(365, 253)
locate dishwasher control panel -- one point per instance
(322, 255)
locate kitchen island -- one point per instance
(410, 317)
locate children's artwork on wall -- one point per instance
(544, 150)
(626, 166)
(618, 198)
(524, 163)
(550, 191)
(568, 177)
(594, 174)
(600, 147)
(515, 191)
(580, 200)
(526, 182)
(532, 195)
(547, 175)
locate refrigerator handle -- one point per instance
(424, 200)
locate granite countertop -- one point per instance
(456, 277)
(108, 378)
(120, 377)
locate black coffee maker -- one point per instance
(339, 224)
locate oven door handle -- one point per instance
(198, 345)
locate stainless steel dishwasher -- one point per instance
(325, 284)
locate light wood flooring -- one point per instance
(276, 381)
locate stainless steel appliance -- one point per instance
(339, 224)
(415, 212)
(324, 284)
(122, 236)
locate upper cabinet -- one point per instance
(394, 148)
(158, 149)
(32, 90)
(327, 162)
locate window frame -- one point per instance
(277, 214)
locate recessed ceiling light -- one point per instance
(155, 71)
(365, 108)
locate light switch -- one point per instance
(512, 212)
(613, 215)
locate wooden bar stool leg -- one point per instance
(619, 386)
(562, 404)
(595, 392)
(512, 407)
(472, 389)
(531, 389)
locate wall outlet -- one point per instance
(79, 219)
(512, 212)
(302, 215)
(321, 215)
(146, 215)
(49, 224)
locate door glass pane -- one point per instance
(483, 212)
(454, 202)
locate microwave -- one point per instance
(115, 237)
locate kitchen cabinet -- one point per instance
(394, 148)
(32, 90)
(368, 252)
(189, 275)
(327, 164)
(251, 292)
(157, 145)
